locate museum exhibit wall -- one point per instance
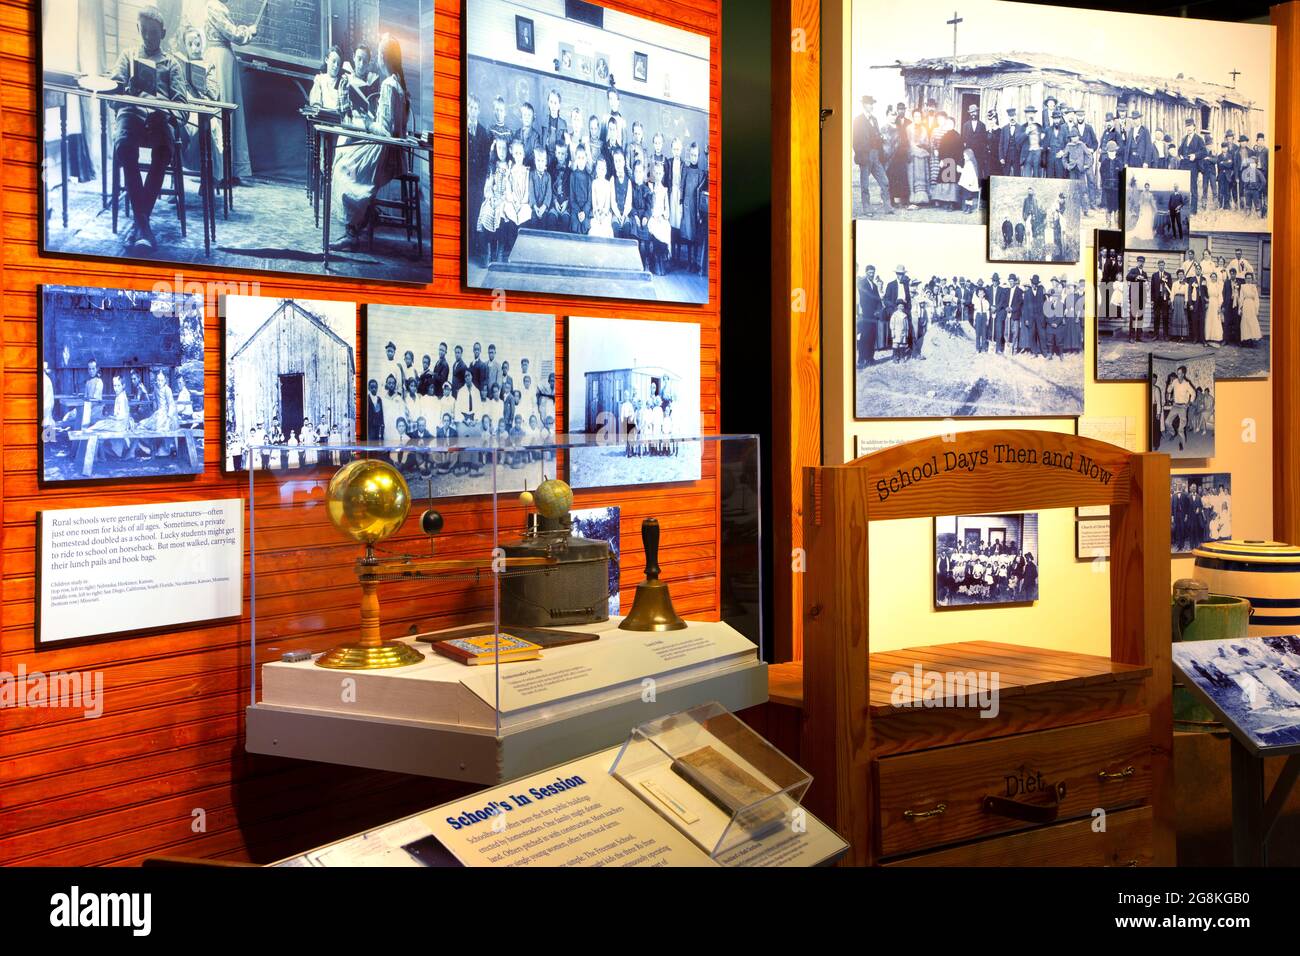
(130, 783)
(1072, 612)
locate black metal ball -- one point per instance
(431, 522)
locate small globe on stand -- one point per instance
(554, 498)
(368, 500)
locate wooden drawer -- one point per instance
(1026, 768)
(1126, 841)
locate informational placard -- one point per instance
(125, 568)
(1092, 534)
(574, 815)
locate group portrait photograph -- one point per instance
(944, 99)
(1033, 220)
(471, 386)
(1200, 510)
(1216, 295)
(1182, 405)
(586, 153)
(945, 335)
(291, 136)
(983, 560)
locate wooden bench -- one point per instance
(186, 436)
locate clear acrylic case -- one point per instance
(339, 564)
(712, 777)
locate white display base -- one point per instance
(435, 718)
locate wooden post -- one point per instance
(796, 299)
(1140, 623)
(835, 745)
(1284, 328)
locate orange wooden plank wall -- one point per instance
(116, 789)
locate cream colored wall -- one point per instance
(1073, 609)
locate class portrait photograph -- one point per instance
(940, 333)
(290, 136)
(634, 398)
(457, 394)
(1217, 295)
(944, 97)
(1033, 220)
(1200, 510)
(586, 153)
(985, 560)
(1156, 209)
(1182, 405)
(122, 374)
(290, 382)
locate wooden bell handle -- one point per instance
(650, 538)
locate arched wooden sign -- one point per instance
(987, 472)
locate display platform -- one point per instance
(697, 788)
(439, 718)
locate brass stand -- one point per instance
(371, 652)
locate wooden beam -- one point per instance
(1140, 622)
(835, 743)
(796, 297)
(1285, 326)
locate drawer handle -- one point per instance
(938, 811)
(1121, 775)
(1029, 812)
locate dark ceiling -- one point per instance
(1237, 10)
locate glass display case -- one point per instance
(479, 610)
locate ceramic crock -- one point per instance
(1265, 573)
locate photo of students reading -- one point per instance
(200, 131)
(583, 181)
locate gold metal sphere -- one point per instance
(368, 500)
(554, 498)
(526, 499)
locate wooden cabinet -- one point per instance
(929, 778)
(932, 798)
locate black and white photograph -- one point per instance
(463, 382)
(290, 380)
(524, 34)
(945, 96)
(602, 524)
(123, 383)
(941, 334)
(291, 136)
(584, 176)
(984, 560)
(1253, 682)
(1155, 209)
(1033, 220)
(1217, 296)
(634, 392)
(1200, 510)
(1182, 405)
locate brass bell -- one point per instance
(652, 609)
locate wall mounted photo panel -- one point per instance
(1253, 682)
(1033, 220)
(199, 133)
(1200, 510)
(1028, 90)
(1156, 206)
(457, 377)
(941, 332)
(123, 392)
(290, 380)
(1217, 295)
(602, 524)
(586, 155)
(634, 388)
(1182, 406)
(984, 560)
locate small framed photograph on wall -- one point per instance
(983, 560)
(640, 67)
(525, 38)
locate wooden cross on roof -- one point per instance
(1235, 74)
(953, 23)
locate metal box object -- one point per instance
(574, 591)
